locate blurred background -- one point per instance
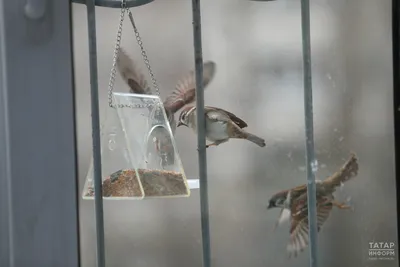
(258, 50)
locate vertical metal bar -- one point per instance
(201, 141)
(98, 191)
(309, 129)
(6, 210)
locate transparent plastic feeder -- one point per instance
(138, 152)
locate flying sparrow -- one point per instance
(293, 204)
(183, 94)
(221, 125)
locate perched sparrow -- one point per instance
(293, 204)
(183, 94)
(221, 125)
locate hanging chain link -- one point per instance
(115, 58)
(144, 55)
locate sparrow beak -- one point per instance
(269, 206)
(179, 124)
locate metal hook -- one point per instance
(35, 9)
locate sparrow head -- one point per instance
(184, 117)
(277, 200)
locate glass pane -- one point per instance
(257, 47)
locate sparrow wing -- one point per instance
(131, 74)
(299, 190)
(299, 224)
(220, 114)
(185, 90)
(346, 172)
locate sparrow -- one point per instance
(221, 125)
(293, 204)
(183, 94)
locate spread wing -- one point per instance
(220, 114)
(346, 172)
(299, 224)
(185, 90)
(131, 74)
(299, 189)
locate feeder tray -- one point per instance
(139, 154)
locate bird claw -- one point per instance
(349, 204)
(207, 146)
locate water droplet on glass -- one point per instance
(111, 141)
(111, 144)
(341, 139)
(335, 130)
(302, 168)
(323, 166)
(314, 166)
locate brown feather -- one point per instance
(348, 171)
(185, 91)
(131, 74)
(299, 209)
(238, 121)
(299, 224)
(135, 88)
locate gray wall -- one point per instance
(257, 47)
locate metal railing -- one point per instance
(311, 163)
(202, 159)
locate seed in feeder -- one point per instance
(156, 183)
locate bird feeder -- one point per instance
(138, 151)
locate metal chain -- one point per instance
(144, 55)
(115, 58)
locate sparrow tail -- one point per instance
(255, 139)
(348, 171)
